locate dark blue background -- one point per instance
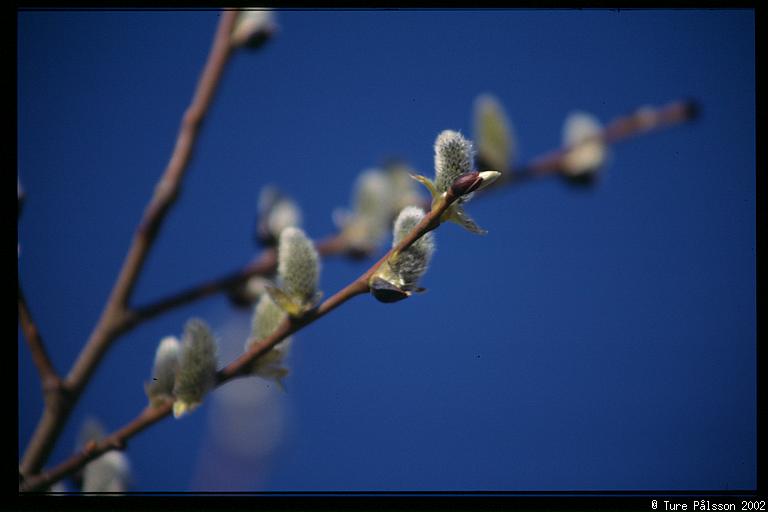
(596, 338)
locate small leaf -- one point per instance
(427, 183)
(456, 214)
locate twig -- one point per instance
(621, 128)
(240, 366)
(264, 265)
(114, 317)
(49, 378)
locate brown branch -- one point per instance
(264, 265)
(49, 378)
(114, 318)
(93, 449)
(621, 128)
(240, 366)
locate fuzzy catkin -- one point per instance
(412, 263)
(298, 265)
(164, 368)
(197, 365)
(252, 27)
(454, 156)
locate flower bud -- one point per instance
(164, 370)
(586, 150)
(493, 134)
(466, 183)
(387, 292)
(197, 367)
(473, 181)
(453, 157)
(298, 266)
(253, 28)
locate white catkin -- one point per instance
(454, 156)
(197, 364)
(412, 263)
(164, 369)
(251, 26)
(298, 266)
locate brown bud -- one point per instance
(466, 183)
(386, 292)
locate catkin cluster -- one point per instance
(184, 371)
(298, 273)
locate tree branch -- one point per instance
(264, 265)
(49, 378)
(239, 367)
(621, 128)
(114, 317)
(641, 121)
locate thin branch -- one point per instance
(240, 366)
(113, 320)
(49, 378)
(264, 265)
(619, 129)
(640, 122)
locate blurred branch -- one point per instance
(114, 317)
(49, 379)
(642, 121)
(264, 265)
(239, 367)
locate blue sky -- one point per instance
(596, 339)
